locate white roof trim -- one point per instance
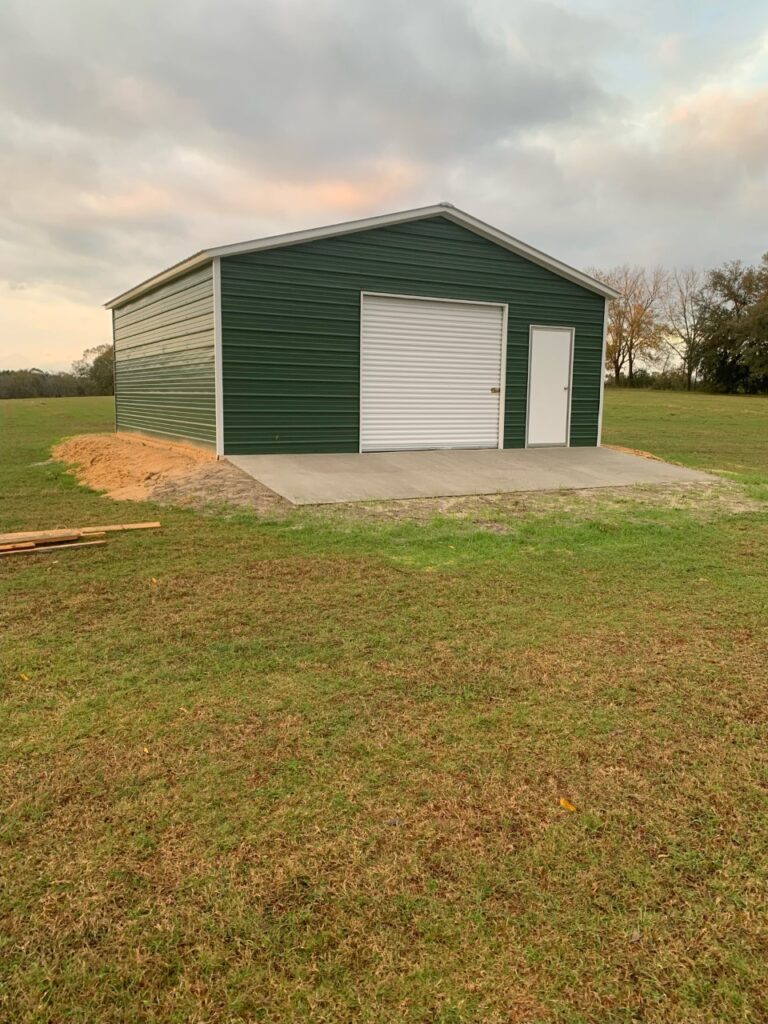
(348, 227)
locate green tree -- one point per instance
(96, 370)
(103, 371)
(734, 320)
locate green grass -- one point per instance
(310, 769)
(724, 433)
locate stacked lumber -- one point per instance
(38, 542)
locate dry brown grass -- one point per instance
(497, 511)
(310, 769)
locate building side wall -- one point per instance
(291, 329)
(164, 360)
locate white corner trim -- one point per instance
(602, 377)
(217, 357)
(114, 367)
(466, 220)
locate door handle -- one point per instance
(495, 391)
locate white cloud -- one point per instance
(133, 135)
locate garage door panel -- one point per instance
(428, 370)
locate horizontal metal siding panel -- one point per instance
(196, 332)
(187, 304)
(164, 360)
(167, 296)
(170, 324)
(303, 302)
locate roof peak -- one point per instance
(444, 209)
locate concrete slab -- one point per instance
(328, 479)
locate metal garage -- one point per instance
(427, 329)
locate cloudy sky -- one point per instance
(132, 134)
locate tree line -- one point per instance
(92, 374)
(668, 328)
(687, 328)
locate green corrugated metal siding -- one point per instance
(164, 360)
(291, 329)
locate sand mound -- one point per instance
(137, 468)
(126, 466)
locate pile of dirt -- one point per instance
(128, 467)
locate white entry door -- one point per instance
(431, 373)
(549, 385)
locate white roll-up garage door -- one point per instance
(431, 373)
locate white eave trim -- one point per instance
(348, 227)
(165, 275)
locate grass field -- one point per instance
(311, 769)
(710, 432)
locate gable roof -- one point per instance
(446, 210)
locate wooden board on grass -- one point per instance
(38, 536)
(47, 549)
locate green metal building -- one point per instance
(413, 330)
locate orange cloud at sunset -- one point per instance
(719, 120)
(41, 328)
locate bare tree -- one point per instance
(684, 313)
(636, 319)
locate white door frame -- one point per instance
(572, 332)
(503, 306)
(602, 377)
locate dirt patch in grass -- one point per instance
(493, 511)
(216, 484)
(633, 451)
(138, 469)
